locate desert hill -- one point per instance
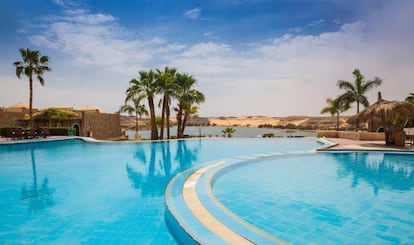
(293, 122)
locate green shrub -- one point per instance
(3, 132)
(62, 131)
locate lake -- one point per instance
(216, 131)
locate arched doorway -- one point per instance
(380, 130)
(76, 126)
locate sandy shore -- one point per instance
(255, 121)
(306, 122)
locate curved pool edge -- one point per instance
(328, 144)
(204, 221)
(184, 226)
(201, 216)
(194, 212)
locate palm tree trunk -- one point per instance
(183, 124)
(179, 121)
(162, 117)
(136, 121)
(337, 121)
(357, 122)
(31, 102)
(154, 133)
(167, 113)
(136, 136)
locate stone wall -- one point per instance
(101, 125)
(11, 119)
(352, 135)
(92, 124)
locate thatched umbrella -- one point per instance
(392, 115)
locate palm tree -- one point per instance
(33, 63)
(187, 96)
(410, 98)
(355, 92)
(137, 108)
(229, 132)
(145, 85)
(335, 107)
(166, 86)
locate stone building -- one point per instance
(90, 122)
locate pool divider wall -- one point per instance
(176, 229)
(228, 218)
(181, 222)
(185, 226)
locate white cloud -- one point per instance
(193, 13)
(97, 39)
(17, 90)
(291, 74)
(64, 3)
(296, 73)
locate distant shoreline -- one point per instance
(293, 122)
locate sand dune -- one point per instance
(303, 122)
(292, 121)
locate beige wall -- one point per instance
(352, 135)
(94, 124)
(101, 125)
(10, 119)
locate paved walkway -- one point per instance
(346, 144)
(3, 139)
(343, 144)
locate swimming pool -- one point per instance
(324, 198)
(77, 192)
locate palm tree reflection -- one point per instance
(184, 156)
(391, 171)
(38, 198)
(160, 168)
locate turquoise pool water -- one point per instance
(76, 192)
(325, 198)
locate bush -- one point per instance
(63, 131)
(269, 135)
(5, 130)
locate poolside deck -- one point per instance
(343, 144)
(347, 144)
(4, 139)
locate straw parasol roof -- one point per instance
(385, 112)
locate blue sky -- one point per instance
(250, 57)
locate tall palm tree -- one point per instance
(410, 98)
(355, 92)
(145, 85)
(187, 96)
(335, 107)
(137, 108)
(32, 64)
(166, 86)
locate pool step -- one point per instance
(194, 212)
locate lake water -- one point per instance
(216, 131)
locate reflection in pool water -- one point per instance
(73, 192)
(38, 198)
(345, 198)
(380, 171)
